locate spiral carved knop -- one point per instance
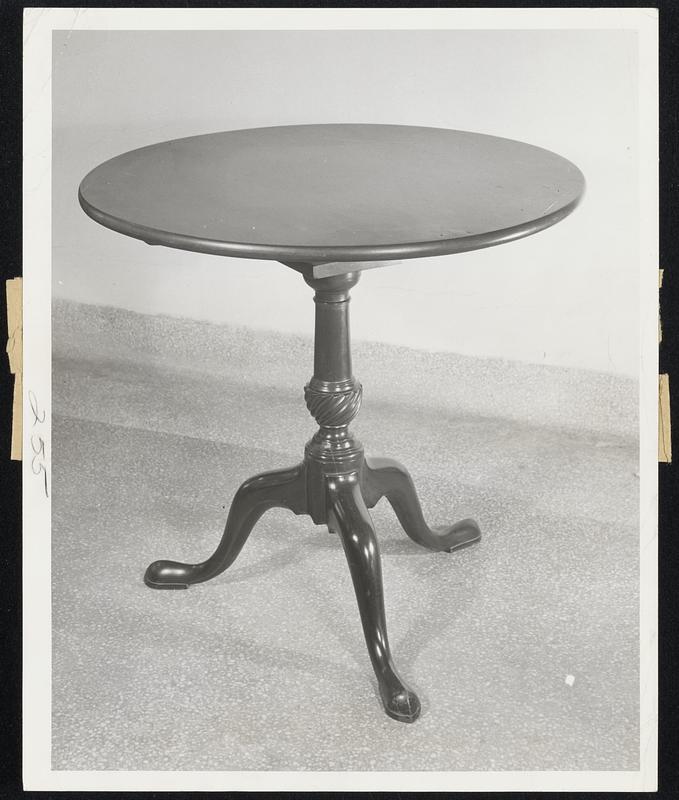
(333, 405)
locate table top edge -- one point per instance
(315, 254)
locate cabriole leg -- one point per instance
(384, 477)
(280, 488)
(351, 519)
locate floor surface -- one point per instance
(523, 649)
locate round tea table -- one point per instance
(330, 201)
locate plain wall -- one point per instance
(566, 296)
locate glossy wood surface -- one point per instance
(313, 194)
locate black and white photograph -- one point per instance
(347, 381)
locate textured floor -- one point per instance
(265, 668)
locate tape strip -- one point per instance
(664, 420)
(15, 351)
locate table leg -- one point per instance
(349, 516)
(384, 477)
(281, 488)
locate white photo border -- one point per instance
(37, 639)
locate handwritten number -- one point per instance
(37, 442)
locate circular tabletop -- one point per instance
(323, 193)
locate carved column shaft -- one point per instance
(333, 395)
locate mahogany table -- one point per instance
(330, 201)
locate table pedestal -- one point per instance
(335, 485)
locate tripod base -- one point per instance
(347, 498)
